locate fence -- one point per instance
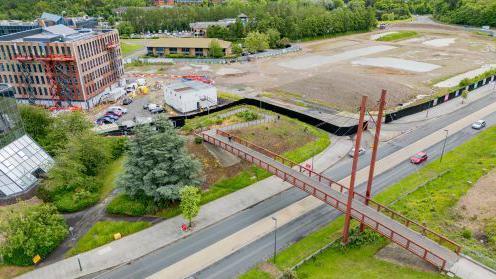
(432, 103)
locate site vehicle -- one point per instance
(419, 157)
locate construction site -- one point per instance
(60, 67)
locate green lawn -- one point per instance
(255, 274)
(67, 203)
(103, 232)
(124, 205)
(432, 204)
(400, 35)
(128, 48)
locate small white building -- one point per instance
(186, 96)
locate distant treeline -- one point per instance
(471, 12)
(293, 19)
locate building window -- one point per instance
(173, 50)
(198, 51)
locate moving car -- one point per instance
(479, 124)
(361, 151)
(127, 101)
(419, 158)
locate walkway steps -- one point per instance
(414, 242)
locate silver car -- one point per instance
(479, 124)
(361, 151)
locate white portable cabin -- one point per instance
(190, 95)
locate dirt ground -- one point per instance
(479, 204)
(395, 254)
(324, 71)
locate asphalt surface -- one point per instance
(244, 259)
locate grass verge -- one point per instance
(127, 48)
(400, 35)
(432, 203)
(103, 232)
(11, 271)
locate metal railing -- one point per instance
(383, 229)
(420, 228)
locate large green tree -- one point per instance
(256, 41)
(158, 165)
(215, 50)
(30, 230)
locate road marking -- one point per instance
(227, 246)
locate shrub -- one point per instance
(247, 115)
(125, 205)
(31, 230)
(198, 140)
(467, 234)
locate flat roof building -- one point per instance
(22, 160)
(58, 65)
(190, 95)
(194, 47)
(199, 29)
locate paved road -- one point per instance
(261, 249)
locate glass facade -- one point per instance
(22, 160)
(10, 120)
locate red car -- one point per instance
(419, 158)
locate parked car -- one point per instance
(361, 151)
(127, 101)
(479, 124)
(157, 110)
(110, 115)
(105, 120)
(419, 158)
(121, 109)
(115, 112)
(150, 106)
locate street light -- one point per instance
(444, 145)
(275, 237)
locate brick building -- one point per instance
(193, 47)
(57, 65)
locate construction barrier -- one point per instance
(390, 117)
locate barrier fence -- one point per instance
(389, 117)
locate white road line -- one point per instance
(225, 247)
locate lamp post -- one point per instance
(275, 238)
(444, 145)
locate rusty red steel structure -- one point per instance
(381, 228)
(375, 147)
(356, 156)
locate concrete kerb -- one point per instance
(140, 244)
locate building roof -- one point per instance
(51, 17)
(56, 33)
(18, 23)
(205, 24)
(186, 43)
(188, 86)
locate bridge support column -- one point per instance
(351, 192)
(382, 104)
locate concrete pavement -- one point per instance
(144, 242)
(382, 166)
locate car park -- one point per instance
(419, 157)
(361, 151)
(479, 124)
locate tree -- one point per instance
(30, 230)
(256, 41)
(190, 202)
(464, 95)
(158, 165)
(274, 37)
(125, 28)
(215, 50)
(37, 122)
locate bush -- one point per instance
(125, 205)
(198, 140)
(31, 230)
(466, 233)
(247, 115)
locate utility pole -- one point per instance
(351, 191)
(382, 104)
(275, 238)
(444, 145)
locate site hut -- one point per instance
(22, 161)
(190, 95)
(193, 47)
(58, 65)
